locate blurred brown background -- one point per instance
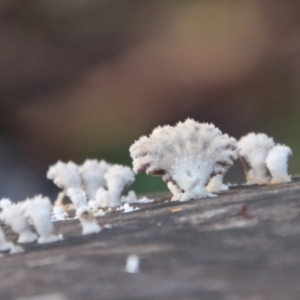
(85, 78)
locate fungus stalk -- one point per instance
(117, 179)
(13, 217)
(216, 184)
(39, 210)
(92, 173)
(87, 220)
(83, 211)
(254, 148)
(277, 164)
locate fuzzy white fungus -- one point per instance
(268, 161)
(216, 184)
(88, 222)
(277, 163)
(254, 148)
(186, 156)
(132, 198)
(117, 179)
(65, 175)
(5, 202)
(77, 196)
(83, 211)
(128, 208)
(92, 173)
(4, 244)
(58, 214)
(39, 210)
(132, 264)
(13, 216)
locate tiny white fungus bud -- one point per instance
(127, 208)
(130, 198)
(58, 214)
(132, 264)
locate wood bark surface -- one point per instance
(243, 244)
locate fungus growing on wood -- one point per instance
(6, 246)
(58, 214)
(118, 178)
(77, 196)
(254, 148)
(132, 198)
(277, 164)
(87, 220)
(39, 210)
(83, 211)
(186, 156)
(268, 161)
(216, 184)
(5, 202)
(13, 216)
(64, 175)
(92, 173)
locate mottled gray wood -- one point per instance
(243, 244)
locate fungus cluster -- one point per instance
(36, 211)
(186, 156)
(191, 157)
(102, 182)
(268, 161)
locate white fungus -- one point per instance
(277, 164)
(268, 161)
(93, 205)
(216, 184)
(92, 173)
(132, 264)
(88, 222)
(100, 213)
(4, 244)
(132, 198)
(83, 211)
(145, 200)
(128, 208)
(58, 214)
(186, 156)
(39, 210)
(64, 175)
(254, 148)
(13, 216)
(117, 179)
(5, 202)
(77, 196)
(101, 200)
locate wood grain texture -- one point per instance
(243, 244)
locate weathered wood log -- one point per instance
(243, 244)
